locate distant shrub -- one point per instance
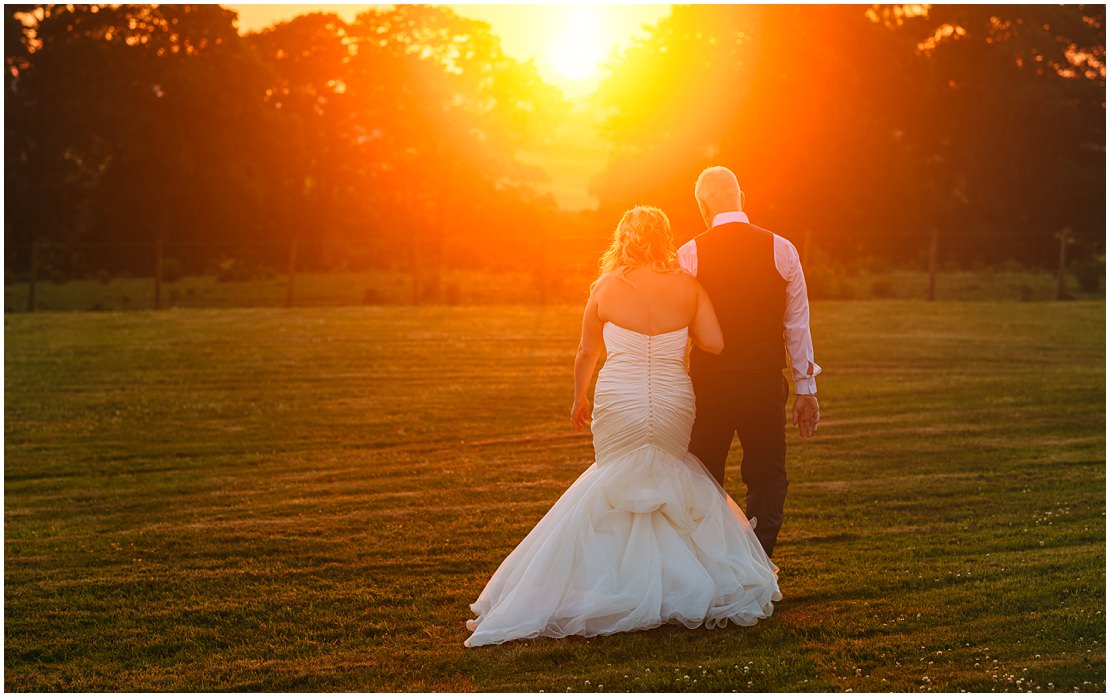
(428, 291)
(828, 283)
(451, 294)
(171, 270)
(57, 276)
(228, 270)
(104, 277)
(882, 288)
(873, 264)
(264, 271)
(1027, 293)
(1009, 266)
(371, 296)
(1090, 273)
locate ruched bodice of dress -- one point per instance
(643, 396)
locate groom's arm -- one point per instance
(795, 322)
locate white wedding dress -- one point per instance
(645, 535)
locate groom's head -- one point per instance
(717, 191)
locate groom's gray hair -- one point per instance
(719, 190)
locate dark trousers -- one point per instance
(753, 406)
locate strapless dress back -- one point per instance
(645, 535)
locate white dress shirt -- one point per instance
(795, 322)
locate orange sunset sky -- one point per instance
(567, 41)
(568, 44)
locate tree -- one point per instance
(1017, 116)
(870, 126)
(444, 110)
(311, 131)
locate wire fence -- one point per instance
(425, 282)
(157, 253)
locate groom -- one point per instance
(754, 278)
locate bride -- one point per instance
(645, 535)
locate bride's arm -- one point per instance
(589, 350)
(705, 329)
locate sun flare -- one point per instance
(578, 46)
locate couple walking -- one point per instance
(647, 534)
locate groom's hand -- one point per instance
(806, 414)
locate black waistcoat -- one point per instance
(736, 264)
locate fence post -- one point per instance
(934, 242)
(34, 272)
(158, 272)
(1065, 238)
(292, 271)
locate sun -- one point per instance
(577, 48)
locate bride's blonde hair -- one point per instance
(642, 238)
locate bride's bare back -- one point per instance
(648, 301)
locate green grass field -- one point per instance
(308, 499)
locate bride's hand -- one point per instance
(580, 413)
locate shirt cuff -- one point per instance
(806, 385)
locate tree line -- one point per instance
(394, 140)
(871, 129)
